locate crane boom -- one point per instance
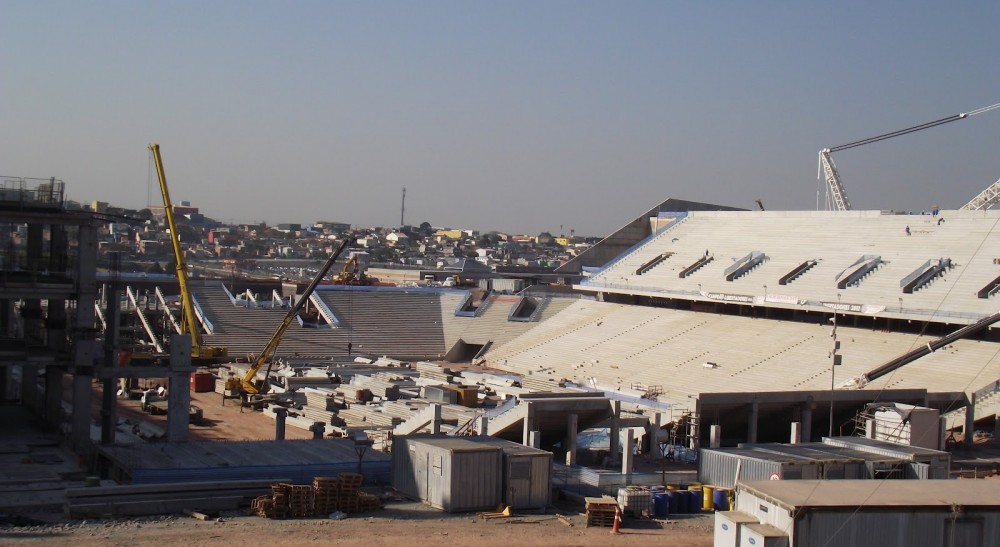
(249, 384)
(833, 182)
(189, 322)
(835, 186)
(986, 199)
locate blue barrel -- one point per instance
(721, 499)
(695, 498)
(672, 499)
(661, 505)
(683, 501)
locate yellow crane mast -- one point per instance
(189, 322)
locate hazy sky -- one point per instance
(520, 116)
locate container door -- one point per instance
(435, 480)
(421, 464)
(518, 485)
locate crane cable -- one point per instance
(913, 129)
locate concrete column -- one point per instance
(179, 389)
(535, 439)
(29, 386)
(870, 428)
(807, 417)
(970, 421)
(83, 334)
(109, 418)
(616, 414)
(752, 426)
(484, 423)
(436, 421)
(280, 415)
(627, 457)
(715, 436)
(796, 433)
(570, 443)
(318, 429)
(5, 310)
(529, 423)
(80, 425)
(52, 410)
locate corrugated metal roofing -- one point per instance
(896, 493)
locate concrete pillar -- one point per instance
(570, 443)
(796, 437)
(52, 410)
(29, 386)
(83, 334)
(870, 428)
(179, 389)
(715, 436)
(280, 415)
(752, 426)
(484, 423)
(80, 424)
(436, 421)
(627, 457)
(970, 421)
(616, 414)
(807, 417)
(535, 439)
(5, 310)
(529, 423)
(318, 429)
(109, 403)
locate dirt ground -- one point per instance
(220, 422)
(401, 523)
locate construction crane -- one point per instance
(837, 195)
(986, 199)
(189, 321)
(249, 385)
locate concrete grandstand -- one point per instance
(725, 315)
(740, 303)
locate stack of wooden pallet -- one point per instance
(368, 502)
(326, 491)
(601, 511)
(300, 500)
(350, 486)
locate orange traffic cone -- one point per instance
(617, 523)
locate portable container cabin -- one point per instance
(527, 474)
(451, 473)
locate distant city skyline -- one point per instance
(515, 116)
